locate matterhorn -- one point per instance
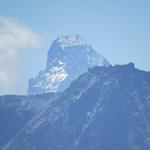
(68, 58)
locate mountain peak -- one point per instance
(70, 41)
(68, 58)
(105, 108)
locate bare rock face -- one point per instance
(68, 58)
(16, 111)
(105, 108)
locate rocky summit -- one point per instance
(68, 57)
(106, 108)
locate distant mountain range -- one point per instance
(68, 57)
(106, 108)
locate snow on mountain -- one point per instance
(70, 41)
(105, 108)
(68, 57)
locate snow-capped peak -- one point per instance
(68, 58)
(70, 41)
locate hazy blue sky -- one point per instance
(118, 29)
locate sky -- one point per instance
(117, 29)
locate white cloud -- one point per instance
(14, 39)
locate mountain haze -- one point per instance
(16, 111)
(105, 108)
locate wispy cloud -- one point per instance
(14, 38)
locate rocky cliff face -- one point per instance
(105, 108)
(68, 57)
(16, 111)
